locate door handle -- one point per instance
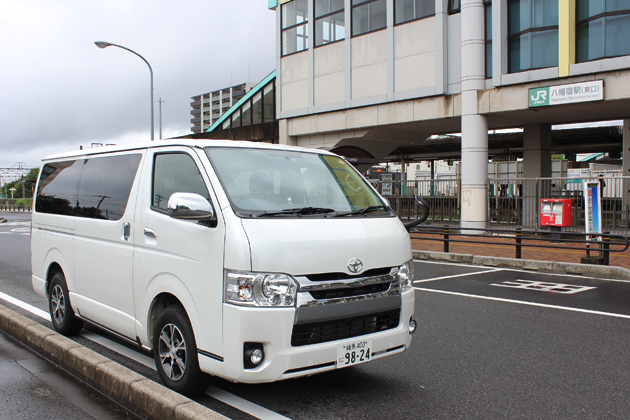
(149, 232)
(126, 231)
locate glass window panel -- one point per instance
(588, 8)
(295, 39)
(58, 188)
(288, 14)
(268, 115)
(227, 124)
(488, 22)
(322, 7)
(403, 10)
(518, 16)
(378, 15)
(330, 29)
(360, 20)
(236, 119)
(246, 116)
(590, 41)
(544, 13)
(105, 186)
(617, 5)
(173, 173)
(454, 6)
(518, 53)
(489, 60)
(257, 111)
(425, 8)
(544, 49)
(617, 35)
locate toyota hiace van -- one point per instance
(248, 261)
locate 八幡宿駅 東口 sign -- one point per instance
(567, 94)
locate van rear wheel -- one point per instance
(61, 312)
(175, 353)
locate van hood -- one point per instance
(303, 246)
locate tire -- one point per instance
(175, 353)
(61, 312)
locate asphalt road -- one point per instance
(491, 344)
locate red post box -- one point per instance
(556, 212)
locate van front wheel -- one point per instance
(175, 353)
(61, 313)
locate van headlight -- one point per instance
(405, 275)
(260, 289)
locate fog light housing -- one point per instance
(412, 325)
(253, 355)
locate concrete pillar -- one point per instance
(474, 202)
(536, 164)
(537, 151)
(283, 133)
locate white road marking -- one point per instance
(458, 275)
(579, 276)
(235, 401)
(542, 286)
(26, 306)
(520, 302)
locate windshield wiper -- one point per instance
(300, 210)
(362, 211)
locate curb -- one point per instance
(142, 396)
(555, 267)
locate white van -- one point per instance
(248, 261)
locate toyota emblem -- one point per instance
(355, 265)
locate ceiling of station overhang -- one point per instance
(503, 146)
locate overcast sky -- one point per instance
(59, 91)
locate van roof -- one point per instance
(179, 142)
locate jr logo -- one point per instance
(540, 95)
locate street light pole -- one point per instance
(103, 45)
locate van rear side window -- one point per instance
(58, 187)
(105, 186)
(95, 188)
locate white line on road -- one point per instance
(459, 275)
(225, 397)
(27, 307)
(548, 273)
(521, 302)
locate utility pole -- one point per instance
(160, 101)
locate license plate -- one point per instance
(354, 352)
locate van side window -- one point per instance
(58, 186)
(105, 186)
(175, 172)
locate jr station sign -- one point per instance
(566, 94)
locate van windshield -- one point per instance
(281, 183)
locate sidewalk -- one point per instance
(503, 251)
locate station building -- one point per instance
(394, 75)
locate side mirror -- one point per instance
(190, 206)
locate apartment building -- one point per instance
(208, 107)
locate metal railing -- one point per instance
(512, 203)
(519, 239)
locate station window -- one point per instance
(408, 10)
(368, 16)
(532, 34)
(454, 6)
(602, 29)
(488, 36)
(330, 25)
(294, 26)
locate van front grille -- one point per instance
(352, 291)
(323, 332)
